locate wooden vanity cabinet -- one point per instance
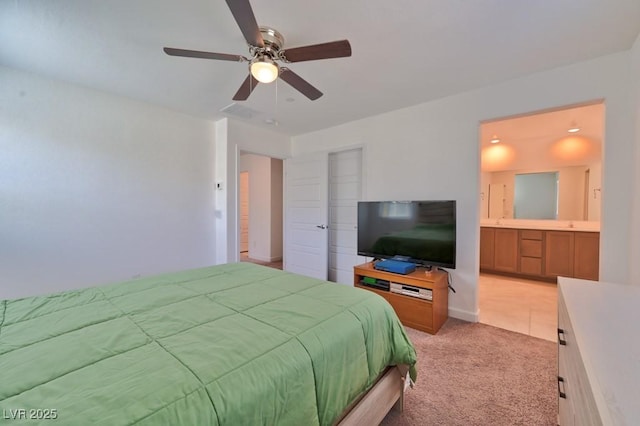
(505, 250)
(530, 256)
(487, 248)
(540, 254)
(559, 252)
(586, 259)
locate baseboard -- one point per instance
(464, 315)
(266, 259)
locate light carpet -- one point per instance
(476, 374)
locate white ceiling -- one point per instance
(405, 52)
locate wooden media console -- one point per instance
(421, 314)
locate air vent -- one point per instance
(238, 110)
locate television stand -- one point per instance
(409, 296)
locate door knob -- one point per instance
(321, 226)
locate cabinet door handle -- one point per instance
(561, 392)
(561, 339)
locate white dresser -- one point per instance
(598, 353)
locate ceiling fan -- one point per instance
(266, 50)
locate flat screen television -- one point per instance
(422, 232)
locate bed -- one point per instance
(224, 345)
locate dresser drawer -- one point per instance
(579, 405)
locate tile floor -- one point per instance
(523, 306)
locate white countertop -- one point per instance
(548, 225)
(605, 319)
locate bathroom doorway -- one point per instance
(563, 148)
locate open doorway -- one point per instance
(526, 241)
(260, 203)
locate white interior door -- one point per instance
(345, 188)
(306, 232)
(244, 212)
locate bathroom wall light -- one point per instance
(494, 139)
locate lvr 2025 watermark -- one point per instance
(29, 414)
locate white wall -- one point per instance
(508, 179)
(232, 137)
(265, 206)
(485, 180)
(431, 151)
(635, 194)
(259, 168)
(97, 188)
(571, 193)
(595, 191)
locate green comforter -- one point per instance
(235, 344)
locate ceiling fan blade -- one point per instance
(246, 88)
(204, 55)
(243, 14)
(333, 49)
(300, 84)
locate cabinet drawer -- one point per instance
(413, 312)
(565, 406)
(530, 248)
(531, 265)
(530, 234)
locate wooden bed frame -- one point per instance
(387, 393)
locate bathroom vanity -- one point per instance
(540, 250)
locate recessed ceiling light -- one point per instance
(495, 139)
(573, 128)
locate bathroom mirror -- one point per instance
(536, 196)
(567, 193)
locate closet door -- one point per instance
(345, 189)
(305, 216)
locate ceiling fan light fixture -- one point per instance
(265, 47)
(264, 70)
